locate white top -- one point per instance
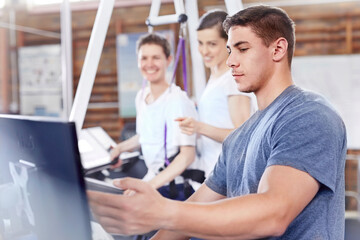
(214, 110)
(150, 125)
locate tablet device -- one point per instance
(101, 186)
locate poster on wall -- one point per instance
(129, 77)
(337, 79)
(40, 80)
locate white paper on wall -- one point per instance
(338, 79)
(40, 80)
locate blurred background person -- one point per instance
(157, 105)
(222, 107)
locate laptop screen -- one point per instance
(42, 190)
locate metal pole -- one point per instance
(155, 8)
(91, 63)
(198, 70)
(39, 32)
(233, 6)
(4, 71)
(14, 105)
(179, 6)
(162, 20)
(154, 19)
(66, 58)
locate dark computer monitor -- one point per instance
(42, 190)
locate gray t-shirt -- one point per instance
(299, 129)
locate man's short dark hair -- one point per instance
(214, 18)
(268, 23)
(154, 38)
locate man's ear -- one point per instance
(280, 47)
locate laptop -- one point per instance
(95, 146)
(42, 189)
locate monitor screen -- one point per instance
(42, 190)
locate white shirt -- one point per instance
(214, 110)
(150, 125)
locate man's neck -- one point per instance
(156, 90)
(272, 89)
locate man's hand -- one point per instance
(140, 212)
(188, 125)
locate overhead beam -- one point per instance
(155, 20)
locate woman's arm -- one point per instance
(239, 109)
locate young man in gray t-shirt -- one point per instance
(279, 176)
(297, 130)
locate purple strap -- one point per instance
(177, 57)
(184, 64)
(180, 50)
(165, 137)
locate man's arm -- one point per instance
(203, 194)
(185, 157)
(282, 194)
(120, 214)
